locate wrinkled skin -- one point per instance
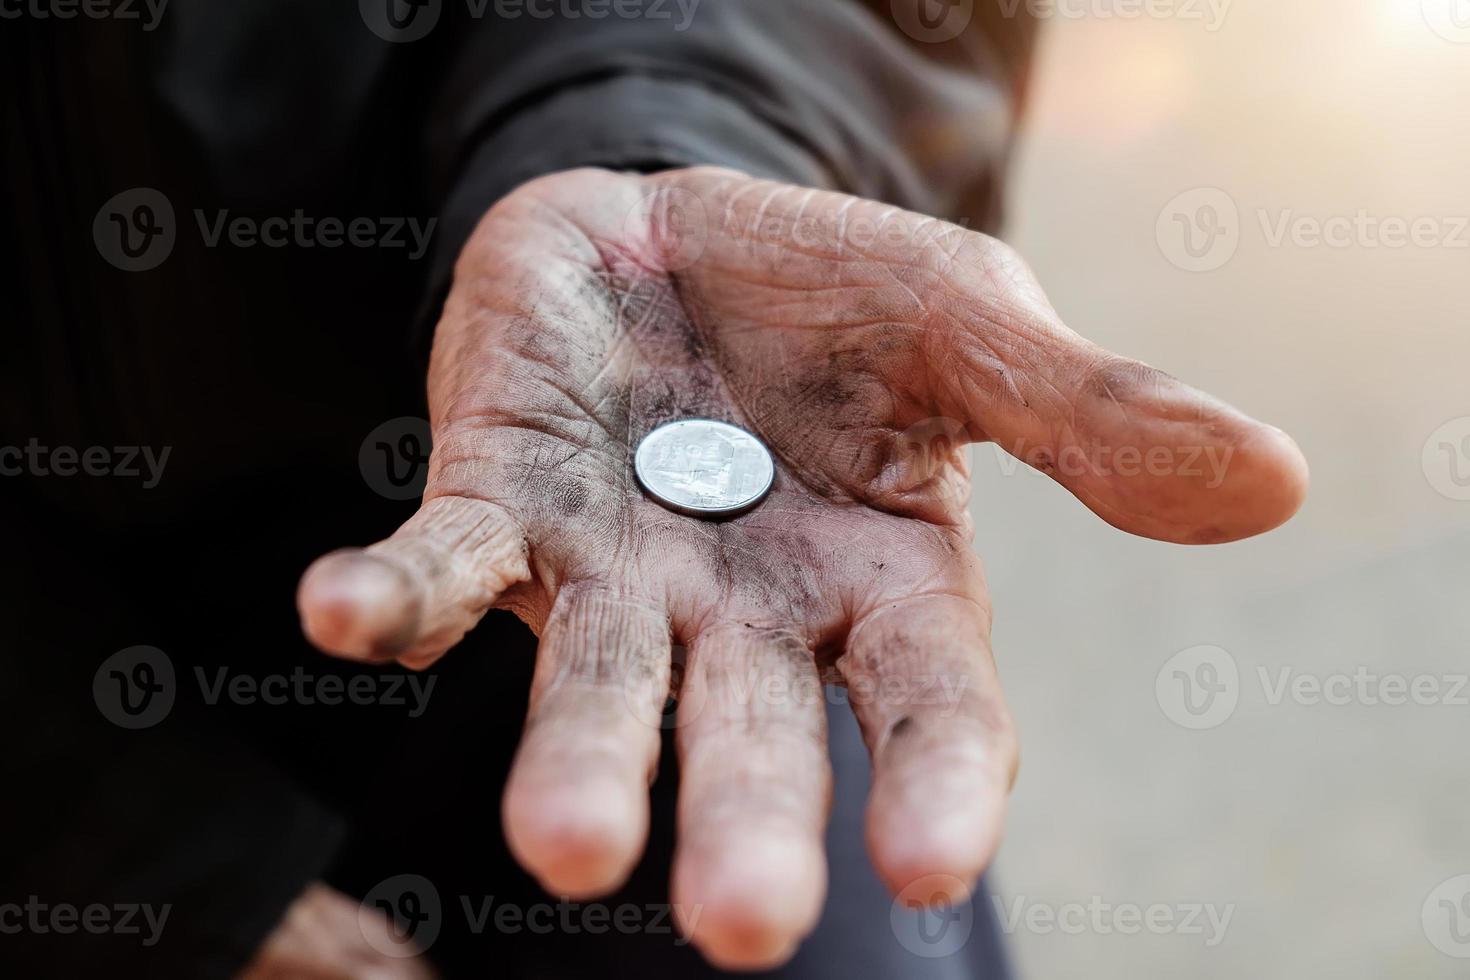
(864, 345)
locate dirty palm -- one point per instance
(864, 345)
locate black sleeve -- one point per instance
(187, 850)
(905, 101)
(276, 105)
(180, 840)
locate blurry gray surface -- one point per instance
(1323, 828)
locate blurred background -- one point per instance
(1332, 828)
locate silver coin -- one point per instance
(704, 468)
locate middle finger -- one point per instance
(750, 873)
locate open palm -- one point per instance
(865, 346)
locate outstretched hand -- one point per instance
(865, 346)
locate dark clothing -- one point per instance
(140, 316)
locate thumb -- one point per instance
(416, 594)
(1144, 451)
